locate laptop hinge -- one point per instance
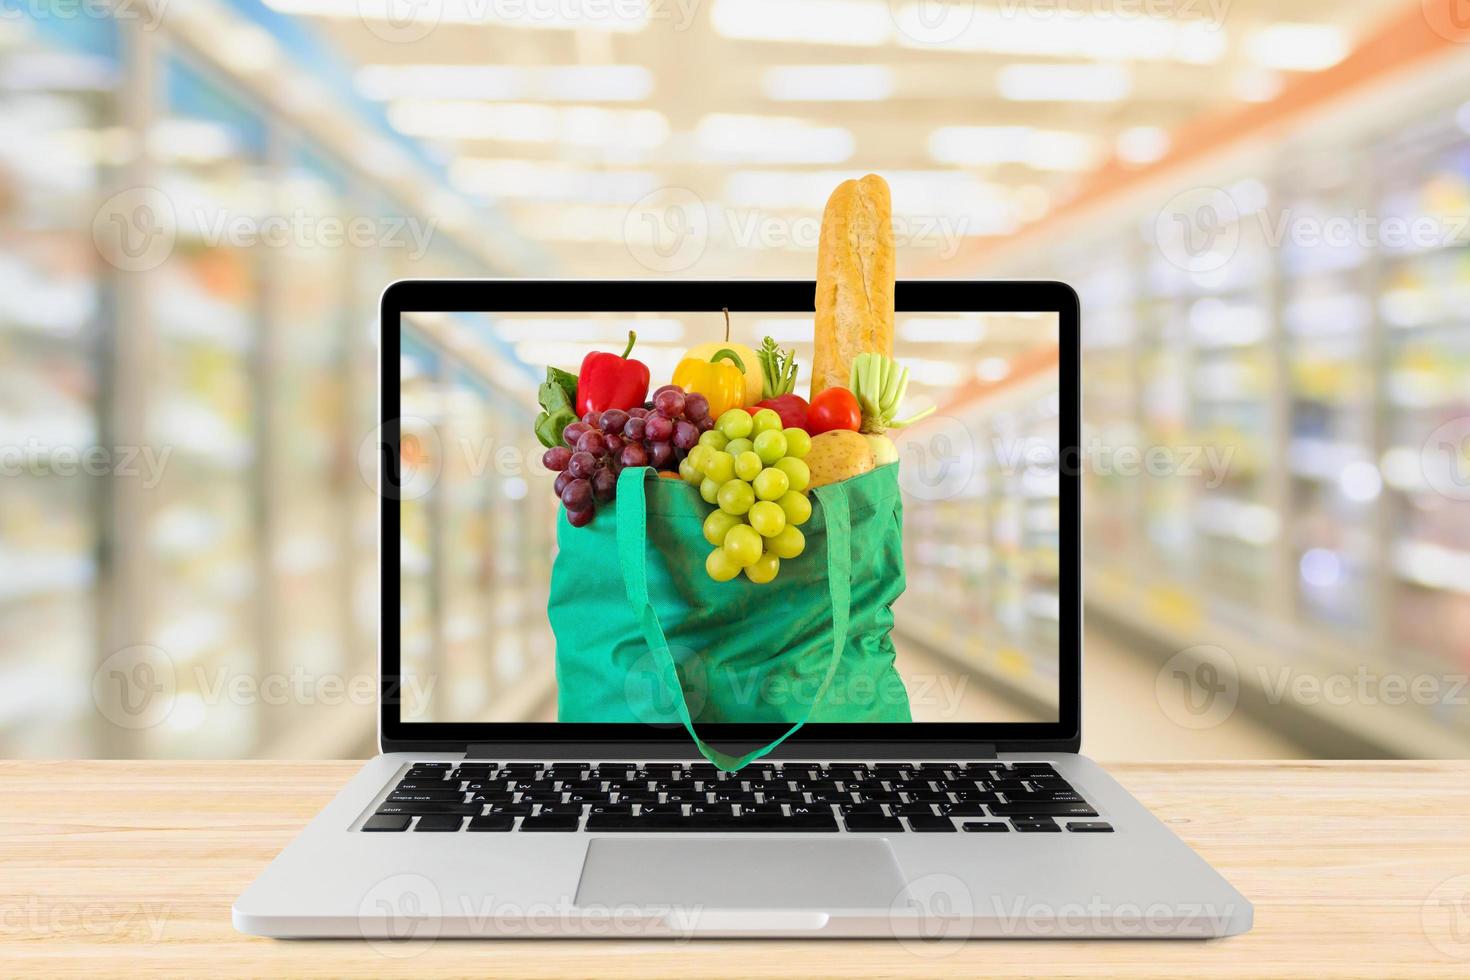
(986, 751)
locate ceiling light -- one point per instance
(785, 330)
(1298, 47)
(571, 83)
(858, 22)
(927, 204)
(542, 180)
(1065, 83)
(1142, 144)
(1036, 148)
(992, 369)
(521, 122)
(1060, 34)
(1255, 84)
(588, 331)
(942, 330)
(828, 83)
(569, 15)
(940, 374)
(771, 139)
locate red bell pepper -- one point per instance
(609, 381)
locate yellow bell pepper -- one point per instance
(721, 380)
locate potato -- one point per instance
(837, 455)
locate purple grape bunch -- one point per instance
(600, 445)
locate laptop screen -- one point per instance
(785, 527)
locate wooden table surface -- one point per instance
(1355, 869)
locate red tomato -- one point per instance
(833, 408)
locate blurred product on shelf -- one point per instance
(228, 375)
(1291, 383)
(982, 556)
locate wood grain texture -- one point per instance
(1355, 868)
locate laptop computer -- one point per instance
(917, 819)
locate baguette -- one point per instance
(854, 305)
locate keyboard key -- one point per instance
(588, 796)
(870, 822)
(441, 823)
(511, 809)
(1042, 810)
(624, 809)
(964, 808)
(494, 821)
(427, 796)
(560, 810)
(561, 823)
(862, 808)
(1036, 825)
(427, 774)
(915, 809)
(623, 822)
(985, 827)
(811, 810)
(417, 809)
(1089, 827)
(930, 824)
(386, 822)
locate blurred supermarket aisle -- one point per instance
(1267, 216)
(1120, 715)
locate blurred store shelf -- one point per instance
(236, 370)
(1291, 371)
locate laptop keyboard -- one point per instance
(787, 797)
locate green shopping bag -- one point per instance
(644, 635)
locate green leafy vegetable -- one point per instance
(556, 396)
(879, 384)
(778, 369)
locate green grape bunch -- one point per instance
(751, 471)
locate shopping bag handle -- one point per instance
(632, 536)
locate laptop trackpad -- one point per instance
(737, 873)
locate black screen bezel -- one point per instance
(765, 296)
